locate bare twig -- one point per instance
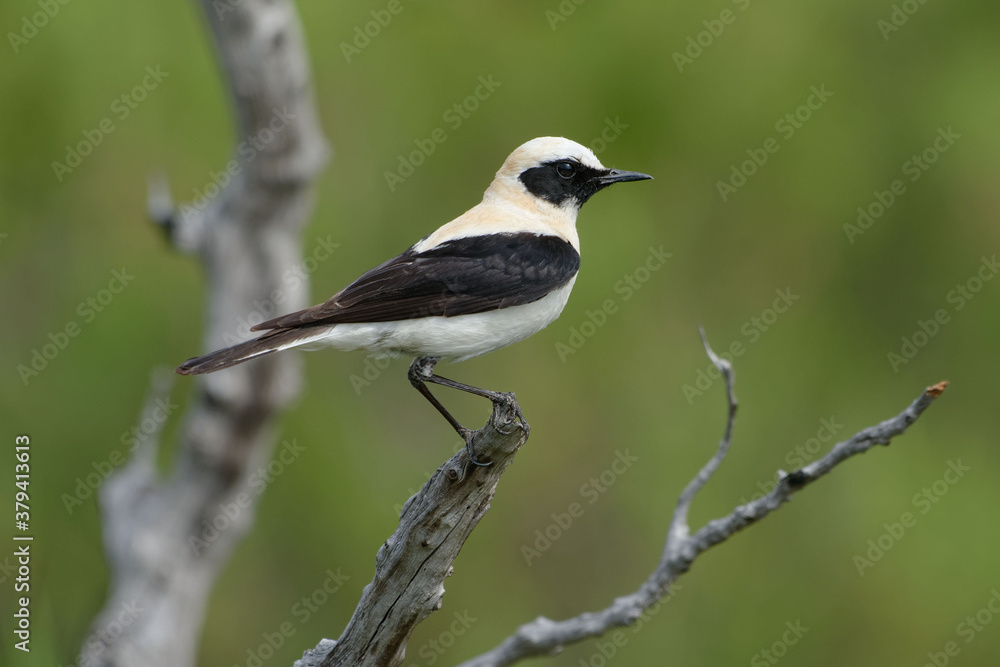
(679, 529)
(544, 636)
(247, 237)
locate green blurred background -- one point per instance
(607, 64)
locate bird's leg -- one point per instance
(494, 396)
(421, 370)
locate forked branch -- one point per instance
(544, 636)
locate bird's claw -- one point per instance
(467, 435)
(508, 401)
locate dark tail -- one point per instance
(272, 341)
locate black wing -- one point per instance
(460, 277)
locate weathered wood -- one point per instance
(411, 566)
(163, 556)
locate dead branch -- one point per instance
(412, 564)
(161, 533)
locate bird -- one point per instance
(495, 275)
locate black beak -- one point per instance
(619, 176)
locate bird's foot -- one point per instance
(506, 402)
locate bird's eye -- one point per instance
(566, 169)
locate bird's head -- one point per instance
(559, 172)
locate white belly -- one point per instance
(456, 338)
